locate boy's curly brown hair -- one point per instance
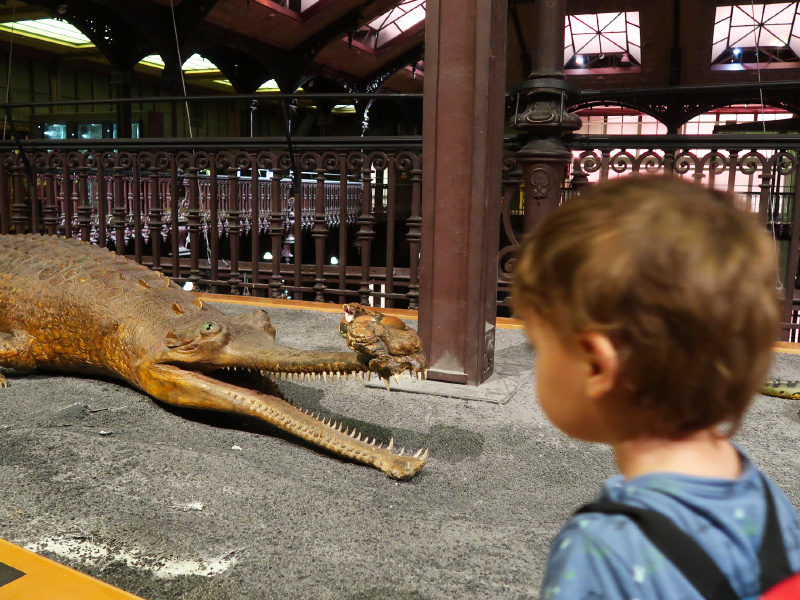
(681, 282)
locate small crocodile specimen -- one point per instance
(69, 306)
(781, 388)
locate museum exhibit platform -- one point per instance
(172, 504)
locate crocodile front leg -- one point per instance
(15, 355)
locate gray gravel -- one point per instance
(172, 504)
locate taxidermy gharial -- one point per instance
(67, 305)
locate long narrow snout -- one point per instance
(189, 389)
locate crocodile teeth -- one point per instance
(397, 379)
(390, 446)
(338, 375)
(388, 385)
(325, 377)
(425, 374)
(263, 373)
(418, 453)
(424, 455)
(402, 450)
(330, 374)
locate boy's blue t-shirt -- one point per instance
(606, 557)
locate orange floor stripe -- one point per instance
(502, 322)
(25, 575)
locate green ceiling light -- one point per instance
(53, 31)
(194, 64)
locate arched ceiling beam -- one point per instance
(242, 69)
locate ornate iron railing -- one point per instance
(360, 203)
(354, 235)
(761, 171)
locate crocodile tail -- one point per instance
(782, 388)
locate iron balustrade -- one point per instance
(760, 171)
(228, 220)
(360, 202)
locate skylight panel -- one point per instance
(49, 30)
(602, 40)
(194, 64)
(391, 24)
(268, 86)
(756, 33)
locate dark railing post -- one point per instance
(213, 220)
(579, 179)
(50, 211)
(320, 233)
(544, 157)
(119, 215)
(276, 215)
(19, 209)
(155, 216)
(5, 198)
(390, 178)
(136, 209)
(414, 235)
(174, 214)
(255, 222)
(193, 218)
(102, 201)
(234, 231)
(84, 208)
(342, 225)
(366, 230)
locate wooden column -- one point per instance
(465, 49)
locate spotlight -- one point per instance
(579, 60)
(267, 255)
(334, 260)
(737, 52)
(188, 286)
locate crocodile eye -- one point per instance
(210, 327)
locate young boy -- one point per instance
(651, 306)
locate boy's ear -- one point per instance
(602, 360)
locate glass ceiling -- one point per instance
(602, 33)
(49, 30)
(296, 5)
(750, 26)
(391, 24)
(267, 86)
(194, 64)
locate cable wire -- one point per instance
(180, 65)
(10, 55)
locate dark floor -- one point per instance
(175, 505)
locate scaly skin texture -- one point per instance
(69, 306)
(782, 388)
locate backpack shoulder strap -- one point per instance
(679, 548)
(772, 555)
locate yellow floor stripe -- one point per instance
(25, 575)
(328, 307)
